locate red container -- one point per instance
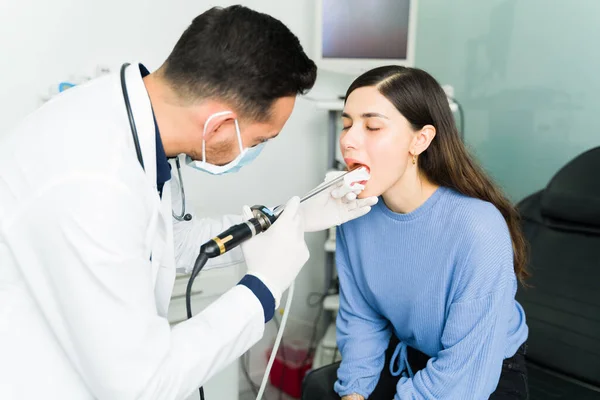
(290, 367)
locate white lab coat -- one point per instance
(87, 261)
(190, 235)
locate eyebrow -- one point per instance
(366, 115)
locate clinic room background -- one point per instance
(525, 73)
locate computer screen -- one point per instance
(356, 35)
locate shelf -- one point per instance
(332, 302)
(329, 339)
(330, 246)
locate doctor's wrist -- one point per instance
(263, 293)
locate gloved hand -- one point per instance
(277, 255)
(336, 205)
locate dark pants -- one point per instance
(318, 385)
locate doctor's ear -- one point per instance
(215, 121)
(423, 138)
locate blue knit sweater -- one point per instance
(441, 279)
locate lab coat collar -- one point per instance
(144, 120)
(163, 168)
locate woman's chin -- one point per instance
(367, 193)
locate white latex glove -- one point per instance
(349, 188)
(277, 255)
(338, 204)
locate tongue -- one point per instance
(360, 175)
(362, 166)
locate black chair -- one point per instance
(562, 306)
(318, 383)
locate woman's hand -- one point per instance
(353, 396)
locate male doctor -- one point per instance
(87, 255)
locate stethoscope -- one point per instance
(182, 216)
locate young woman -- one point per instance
(431, 272)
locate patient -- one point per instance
(431, 272)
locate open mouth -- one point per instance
(364, 182)
(354, 165)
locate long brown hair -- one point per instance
(446, 162)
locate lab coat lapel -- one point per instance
(163, 268)
(166, 273)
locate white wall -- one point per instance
(46, 42)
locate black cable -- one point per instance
(198, 265)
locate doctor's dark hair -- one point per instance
(446, 162)
(242, 57)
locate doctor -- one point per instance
(87, 256)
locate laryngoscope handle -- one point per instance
(231, 238)
(237, 234)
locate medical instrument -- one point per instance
(182, 216)
(262, 220)
(324, 186)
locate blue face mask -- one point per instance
(246, 156)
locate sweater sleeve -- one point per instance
(475, 331)
(362, 333)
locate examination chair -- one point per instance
(562, 304)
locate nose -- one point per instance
(350, 139)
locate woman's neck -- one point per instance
(409, 193)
